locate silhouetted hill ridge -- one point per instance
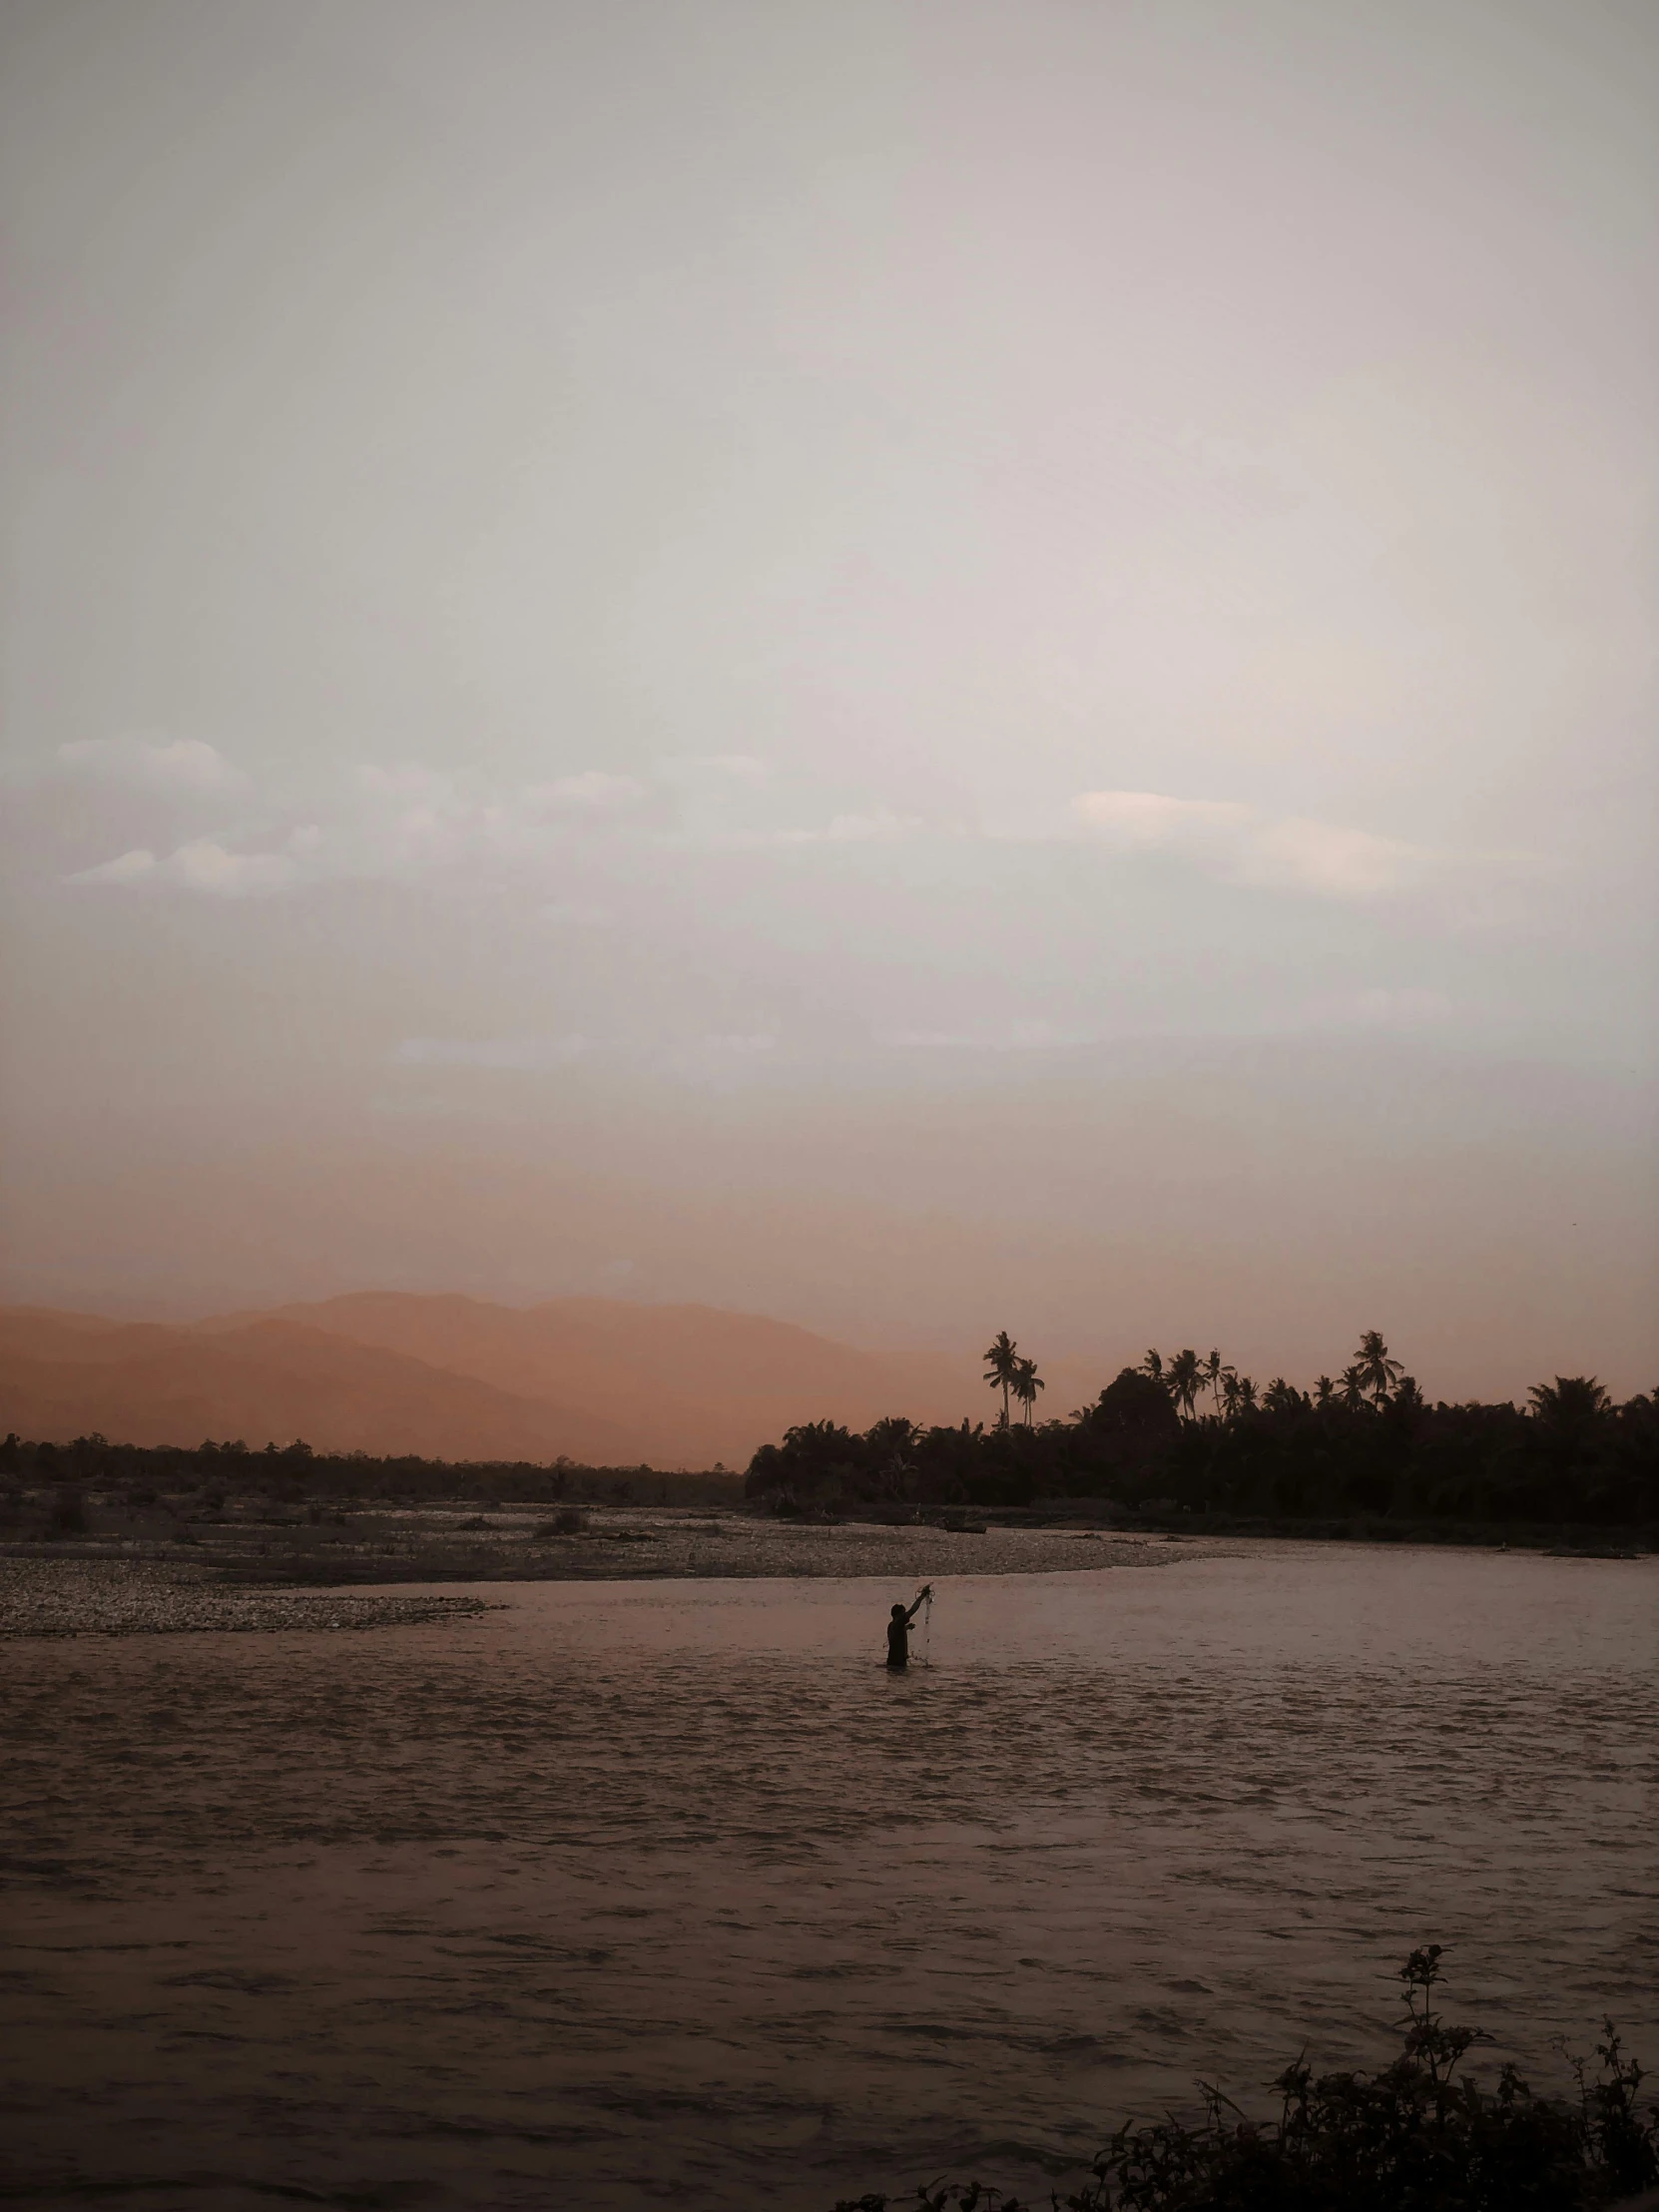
(602, 1381)
(272, 1382)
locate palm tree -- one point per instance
(1153, 1364)
(1002, 1368)
(1378, 1373)
(1571, 1401)
(1027, 1382)
(1351, 1385)
(1212, 1377)
(1185, 1377)
(1407, 1398)
(1324, 1391)
(890, 1445)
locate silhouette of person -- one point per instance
(899, 1629)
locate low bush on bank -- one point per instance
(571, 1521)
(66, 1515)
(1419, 2136)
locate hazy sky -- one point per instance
(922, 667)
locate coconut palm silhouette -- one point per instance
(1002, 1363)
(1378, 1373)
(1238, 1394)
(1185, 1377)
(1027, 1382)
(1570, 1401)
(1212, 1377)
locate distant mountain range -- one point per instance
(598, 1381)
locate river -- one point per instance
(640, 1892)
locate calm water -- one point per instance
(640, 1891)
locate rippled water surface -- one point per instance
(639, 1891)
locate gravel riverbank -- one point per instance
(137, 1597)
(244, 1575)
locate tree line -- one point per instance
(145, 1475)
(1187, 1432)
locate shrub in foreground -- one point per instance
(1416, 2137)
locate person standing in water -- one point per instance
(899, 1628)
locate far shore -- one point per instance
(244, 1572)
(254, 1568)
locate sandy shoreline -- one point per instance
(210, 1581)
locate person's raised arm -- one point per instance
(923, 1595)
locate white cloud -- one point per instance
(130, 868)
(406, 816)
(203, 865)
(406, 821)
(206, 866)
(183, 764)
(1149, 822)
(409, 822)
(1300, 855)
(1243, 844)
(400, 820)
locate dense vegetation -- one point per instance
(1416, 2137)
(296, 1474)
(1174, 1436)
(1191, 1434)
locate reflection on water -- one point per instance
(635, 1888)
